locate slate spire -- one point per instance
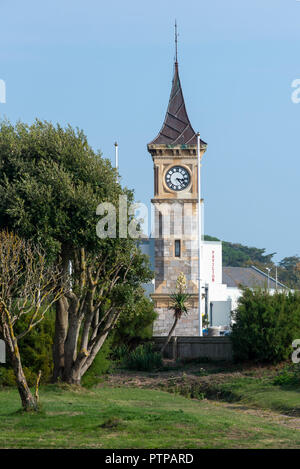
(176, 129)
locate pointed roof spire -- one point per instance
(176, 129)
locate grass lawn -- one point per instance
(262, 394)
(253, 386)
(128, 417)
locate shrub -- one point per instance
(36, 352)
(120, 352)
(265, 325)
(289, 376)
(37, 348)
(143, 358)
(7, 376)
(135, 323)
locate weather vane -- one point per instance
(176, 41)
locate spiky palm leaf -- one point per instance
(179, 303)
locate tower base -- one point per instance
(188, 325)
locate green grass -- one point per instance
(263, 394)
(134, 418)
(275, 389)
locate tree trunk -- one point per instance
(169, 336)
(61, 323)
(27, 399)
(70, 347)
(73, 377)
(61, 328)
(85, 358)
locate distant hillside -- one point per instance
(238, 255)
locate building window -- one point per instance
(160, 227)
(177, 248)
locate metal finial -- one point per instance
(176, 41)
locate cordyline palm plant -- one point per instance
(179, 300)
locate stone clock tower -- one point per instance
(174, 154)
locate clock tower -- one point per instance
(174, 155)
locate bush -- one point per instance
(36, 348)
(289, 376)
(36, 352)
(143, 358)
(120, 352)
(7, 376)
(100, 365)
(265, 325)
(135, 323)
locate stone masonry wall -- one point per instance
(187, 326)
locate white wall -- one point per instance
(212, 262)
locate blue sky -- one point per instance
(107, 67)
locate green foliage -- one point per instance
(265, 325)
(100, 366)
(179, 303)
(289, 376)
(135, 322)
(51, 182)
(36, 347)
(7, 376)
(121, 352)
(289, 271)
(143, 358)
(36, 352)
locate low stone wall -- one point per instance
(213, 348)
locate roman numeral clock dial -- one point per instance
(177, 178)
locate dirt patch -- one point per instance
(112, 424)
(207, 376)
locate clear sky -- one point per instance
(106, 67)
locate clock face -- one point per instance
(177, 178)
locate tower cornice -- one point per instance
(164, 152)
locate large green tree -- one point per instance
(265, 325)
(289, 271)
(51, 182)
